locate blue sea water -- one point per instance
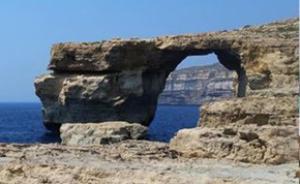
(171, 118)
(22, 123)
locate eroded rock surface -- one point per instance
(100, 133)
(251, 129)
(261, 127)
(129, 162)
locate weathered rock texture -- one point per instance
(100, 133)
(261, 127)
(253, 129)
(122, 79)
(196, 85)
(128, 162)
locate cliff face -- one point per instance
(196, 85)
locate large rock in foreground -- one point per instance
(252, 129)
(101, 133)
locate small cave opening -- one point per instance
(196, 80)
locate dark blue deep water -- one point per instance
(22, 123)
(169, 119)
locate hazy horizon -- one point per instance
(29, 28)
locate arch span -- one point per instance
(117, 79)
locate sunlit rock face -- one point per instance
(196, 85)
(120, 80)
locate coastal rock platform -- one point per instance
(129, 162)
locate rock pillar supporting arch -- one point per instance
(232, 61)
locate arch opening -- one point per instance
(197, 79)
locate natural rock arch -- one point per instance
(121, 79)
(77, 95)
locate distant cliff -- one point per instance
(195, 85)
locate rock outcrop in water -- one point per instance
(196, 85)
(122, 79)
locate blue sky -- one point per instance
(29, 28)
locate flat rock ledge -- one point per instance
(100, 133)
(128, 162)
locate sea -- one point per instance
(22, 123)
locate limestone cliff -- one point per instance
(198, 84)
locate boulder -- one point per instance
(100, 133)
(267, 144)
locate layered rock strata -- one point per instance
(196, 85)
